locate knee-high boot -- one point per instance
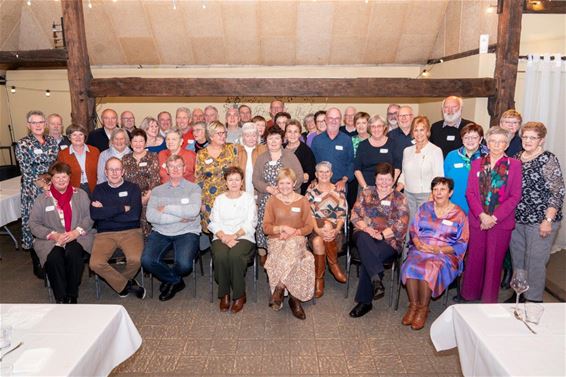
(413, 293)
(319, 269)
(422, 309)
(332, 255)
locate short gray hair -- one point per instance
(173, 130)
(496, 130)
(183, 109)
(34, 112)
(323, 164)
(116, 131)
(249, 127)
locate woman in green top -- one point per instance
(361, 121)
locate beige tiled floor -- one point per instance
(189, 336)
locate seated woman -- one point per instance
(62, 228)
(232, 222)
(380, 218)
(329, 209)
(287, 221)
(439, 238)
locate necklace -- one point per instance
(526, 158)
(440, 212)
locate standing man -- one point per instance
(55, 129)
(335, 147)
(349, 128)
(128, 122)
(392, 116)
(275, 107)
(173, 211)
(210, 114)
(183, 124)
(445, 133)
(116, 208)
(164, 120)
(100, 137)
(245, 114)
(233, 130)
(402, 135)
(197, 116)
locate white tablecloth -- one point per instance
(10, 208)
(491, 342)
(68, 340)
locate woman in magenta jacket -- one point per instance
(494, 190)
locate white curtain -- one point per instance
(545, 101)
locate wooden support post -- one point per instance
(507, 58)
(78, 64)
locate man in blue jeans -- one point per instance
(173, 210)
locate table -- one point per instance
(68, 340)
(10, 207)
(491, 342)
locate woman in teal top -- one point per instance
(361, 120)
(457, 162)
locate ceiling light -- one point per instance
(491, 9)
(28, 2)
(89, 4)
(47, 93)
(174, 5)
(425, 73)
(13, 89)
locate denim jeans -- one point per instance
(157, 246)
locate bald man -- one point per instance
(276, 106)
(100, 137)
(445, 133)
(349, 128)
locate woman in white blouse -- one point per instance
(248, 151)
(421, 163)
(232, 222)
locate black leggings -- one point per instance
(64, 267)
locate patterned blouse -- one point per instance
(391, 211)
(542, 187)
(209, 175)
(145, 173)
(330, 205)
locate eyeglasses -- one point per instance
(471, 138)
(117, 170)
(391, 114)
(497, 142)
(220, 133)
(530, 138)
(405, 115)
(333, 119)
(37, 123)
(176, 167)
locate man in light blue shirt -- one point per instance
(174, 212)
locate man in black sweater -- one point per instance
(445, 133)
(100, 137)
(116, 209)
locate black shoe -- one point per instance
(38, 271)
(136, 289)
(126, 291)
(171, 291)
(506, 280)
(163, 287)
(360, 310)
(71, 300)
(513, 299)
(378, 289)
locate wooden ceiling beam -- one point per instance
(54, 57)
(275, 87)
(545, 6)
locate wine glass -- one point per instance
(520, 284)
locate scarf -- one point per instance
(64, 204)
(482, 151)
(492, 182)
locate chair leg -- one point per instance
(97, 286)
(49, 290)
(348, 268)
(255, 277)
(150, 285)
(210, 280)
(195, 277)
(200, 262)
(392, 282)
(399, 284)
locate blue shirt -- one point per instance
(338, 151)
(401, 140)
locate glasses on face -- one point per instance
(470, 138)
(529, 138)
(37, 123)
(114, 170)
(220, 133)
(512, 122)
(405, 115)
(392, 114)
(328, 119)
(176, 167)
(497, 142)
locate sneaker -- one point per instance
(124, 293)
(136, 289)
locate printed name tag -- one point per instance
(413, 141)
(142, 164)
(385, 202)
(63, 147)
(318, 199)
(208, 161)
(459, 165)
(478, 174)
(272, 163)
(339, 148)
(121, 194)
(190, 141)
(384, 150)
(164, 166)
(185, 201)
(447, 222)
(295, 209)
(49, 208)
(37, 151)
(450, 137)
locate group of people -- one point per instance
(437, 195)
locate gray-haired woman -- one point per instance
(248, 151)
(119, 147)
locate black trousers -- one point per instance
(373, 255)
(64, 267)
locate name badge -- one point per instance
(142, 164)
(318, 199)
(122, 194)
(413, 141)
(384, 150)
(459, 165)
(272, 163)
(447, 222)
(185, 201)
(164, 166)
(208, 161)
(190, 141)
(37, 151)
(450, 137)
(296, 209)
(49, 208)
(385, 202)
(63, 147)
(339, 148)
(478, 174)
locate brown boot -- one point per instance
(410, 314)
(225, 303)
(319, 269)
(421, 315)
(332, 255)
(238, 304)
(277, 298)
(296, 308)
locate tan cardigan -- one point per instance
(288, 159)
(243, 158)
